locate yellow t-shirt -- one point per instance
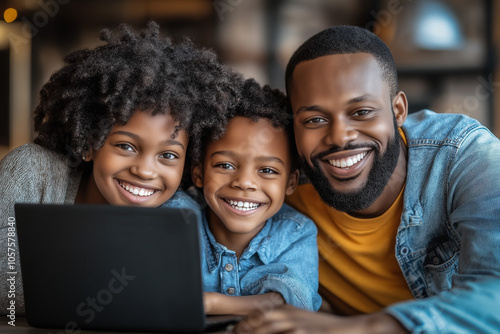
(358, 271)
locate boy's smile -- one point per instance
(241, 206)
(139, 164)
(245, 176)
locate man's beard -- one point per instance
(382, 170)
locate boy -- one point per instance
(256, 249)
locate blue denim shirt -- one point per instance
(282, 257)
(448, 242)
(180, 199)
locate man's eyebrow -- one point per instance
(308, 108)
(357, 99)
(263, 158)
(139, 139)
(362, 98)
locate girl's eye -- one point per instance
(268, 171)
(169, 156)
(225, 166)
(125, 147)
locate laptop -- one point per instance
(104, 267)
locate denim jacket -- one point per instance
(282, 257)
(448, 242)
(181, 200)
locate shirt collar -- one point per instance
(214, 250)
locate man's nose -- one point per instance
(341, 132)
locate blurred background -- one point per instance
(446, 50)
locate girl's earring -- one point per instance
(87, 155)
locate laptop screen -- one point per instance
(110, 267)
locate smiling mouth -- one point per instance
(243, 206)
(137, 191)
(348, 161)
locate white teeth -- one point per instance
(243, 206)
(348, 162)
(137, 191)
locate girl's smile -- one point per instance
(136, 194)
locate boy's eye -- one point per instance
(225, 165)
(169, 156)
(268, 171)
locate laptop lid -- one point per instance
(110, 267)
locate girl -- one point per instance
(113, 127)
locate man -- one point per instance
(407, 206)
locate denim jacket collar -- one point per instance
(259, 245)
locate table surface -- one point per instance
(23, 327)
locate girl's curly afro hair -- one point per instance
(132, 71)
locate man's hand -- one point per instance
(288, 319)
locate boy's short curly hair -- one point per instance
(132, 71)
(256, 103)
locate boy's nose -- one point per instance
(244, 180)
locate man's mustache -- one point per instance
(335, 149)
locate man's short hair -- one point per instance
(345, 40)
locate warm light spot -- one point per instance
(10, 15)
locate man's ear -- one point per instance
(293, 182)
(197, 175)
(400, 107)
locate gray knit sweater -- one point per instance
(29, 174)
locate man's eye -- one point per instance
(363, 112)
(315, 120)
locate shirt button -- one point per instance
(404, 250)
(228, 267)
(435, 260)
(231, 291)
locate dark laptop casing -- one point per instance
(110, 268)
